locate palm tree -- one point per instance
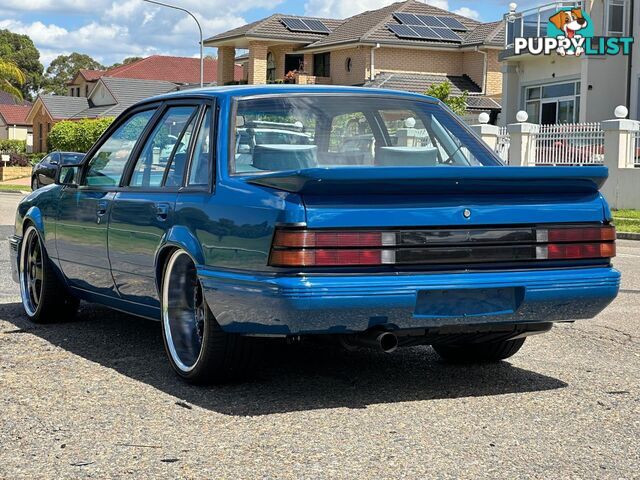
(10, 75)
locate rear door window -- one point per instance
(166, 147)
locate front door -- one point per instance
(83, 211)
(293, 62)
(143, 211)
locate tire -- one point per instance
(479, 352)
(34, 184)
(199, 350)
(45, 297)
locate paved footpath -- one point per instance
(95, 398)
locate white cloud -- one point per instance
(348, 8)
(116, 29)
(468, 12)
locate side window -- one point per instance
(200, 171)
(167, 142)
(107, 165)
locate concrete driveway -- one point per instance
(95, 398)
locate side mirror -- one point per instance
(68, 175)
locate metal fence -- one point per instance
(569, 144)
(503, 144)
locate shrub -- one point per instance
(13, 146)
(442, 91)
(76, 136)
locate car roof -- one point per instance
(254, 90)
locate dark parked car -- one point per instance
(44, 172)
(380, 244)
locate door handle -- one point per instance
(162, 211)
(102, 207)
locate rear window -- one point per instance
(306, 131)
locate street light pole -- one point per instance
(199, 28)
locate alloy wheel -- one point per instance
(31, 271)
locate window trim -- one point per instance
(625, 17)
(159, 106)
(212, 156)
(106, 135)
(233, 111)
(129, 169)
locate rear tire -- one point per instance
(198, 349)
(45, 297)
(479, 352)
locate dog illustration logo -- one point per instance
(570, 22)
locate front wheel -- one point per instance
(198, 349)
(484, 352)
(44, 296)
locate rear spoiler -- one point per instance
(434, 180)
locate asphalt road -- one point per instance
(95, 398)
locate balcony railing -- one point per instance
(533, 21)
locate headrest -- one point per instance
(284, 157)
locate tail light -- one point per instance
(330, 248)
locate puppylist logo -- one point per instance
(570, 32)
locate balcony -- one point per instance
(533, 21)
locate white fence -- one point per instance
(635, 145)
(502, 144)
(569, 144)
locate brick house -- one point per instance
(389, 47)
(108, 98)
(178, 70)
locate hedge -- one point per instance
(13, 146)
(76, 136)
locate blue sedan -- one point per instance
(374, 218)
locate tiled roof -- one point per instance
(272, 27)
(160, 67)
(15, 114)
(126, 92)
(420, 83)
(91, 75)
(367, 27)
(486, 34)
(61, 107)
(7, 99)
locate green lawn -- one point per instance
(9, 188)
(627, 220)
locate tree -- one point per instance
(11, 78)
(63, 68)
(20, 50)
(126, 61)
(442, 91)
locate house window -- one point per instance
(322, 64)
(40, 137)
(616, 17)
(553, 103)
(348, 64)
(271, 68)
(86, 91)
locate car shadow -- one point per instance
(291, 378)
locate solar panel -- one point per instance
(452, 23)
(446, 34)
(426, 33)
(316, 26)
(430, 21)
(403, 31)
(407, 18)
(295, 25)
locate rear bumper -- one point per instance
(267, 304)
(14, 247)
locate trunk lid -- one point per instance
(350, 197)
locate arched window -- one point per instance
(271, 68)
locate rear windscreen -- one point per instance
(306, 131)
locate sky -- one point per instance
(111, 30)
